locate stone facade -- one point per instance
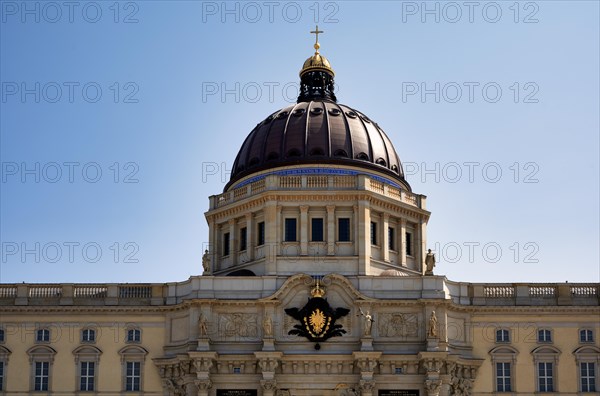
(316, 283)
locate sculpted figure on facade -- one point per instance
(267, 326)
(206, 262)
(429, 262)
(433, 326)
(202, 326)
(368, 322)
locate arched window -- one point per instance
(134, 335)
(88, 335)
(544, 335)
(42, 335)
(502, 335)
(586, 335)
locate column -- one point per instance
(354, 236)
(385, 237)
(249, 236)
(233, 246)
(402, 242)
(304, 230)
(418, 253)
(271, 244)
(330, 230)
(212, 244)
(422, 226)
(363, 239)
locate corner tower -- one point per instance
(317, 188)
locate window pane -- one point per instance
(290, 230)
(226, 244)
(391, 239)
(261, 233)
(344, 230)
(373, 233)
(409, 249)
(243, 238)
(317, 230)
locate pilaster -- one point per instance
(330, 230)
(303, 230)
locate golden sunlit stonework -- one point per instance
(317, 214)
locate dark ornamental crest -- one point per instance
(317, 318)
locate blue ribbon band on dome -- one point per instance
(317, 171)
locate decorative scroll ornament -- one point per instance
(317, 318)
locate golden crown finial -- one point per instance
(317, 290)
(316, 33)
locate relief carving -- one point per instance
(398, 325)
(238, 325)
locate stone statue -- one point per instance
(433, 324)
(267, 326)
(202, 326)
(206, 262)
(368, 322)
(429, 262)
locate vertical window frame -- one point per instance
(243, 239)
(317, 233)
(344, 229)
(290, 229)
(260, 233)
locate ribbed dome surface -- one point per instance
(317, 132)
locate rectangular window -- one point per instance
(41, 376)
(373, 233)
(586, 335)
(344, 230)
(88, 335)
(545, 380)
(132, 376)
(290, 230)
(317, 230)
(43, 335)
(237, 370)
(1, 376)
(588, 376)
(502, 335)
(86, 378)
(391, 238)
(261, 233)
(544, 335)
(409, 247)
(243, 238)
(503, 377)
(226, 244)
(1, 335)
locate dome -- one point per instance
(318, 132)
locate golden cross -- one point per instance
(316, 33)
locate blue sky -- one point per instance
(119, 119)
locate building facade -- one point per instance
(317, 282)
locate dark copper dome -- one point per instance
(317, 132)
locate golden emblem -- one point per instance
(317, 320)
